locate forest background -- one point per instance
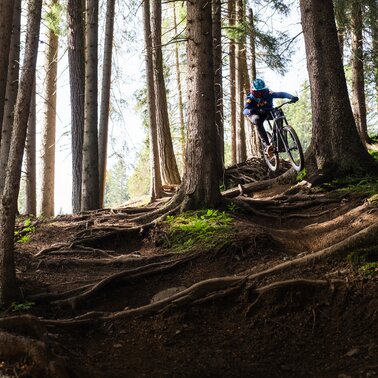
(128, 151)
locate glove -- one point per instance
(294, 99)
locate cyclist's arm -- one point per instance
(284, 95)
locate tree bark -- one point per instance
(8, 284)
(156, 190)
(373, 18)
(200, 185)
(336, 149)
(241, 154)
(252, 44)
(75, 21)
(6, 18)
(340, 14)
(358, 80)
(253, 147)
(11, 92)
(179, 90)
(30, 159)
(49, 124)
(91, 188)
(105, 98)
(231, 24)
(169, 171)
(218, 77)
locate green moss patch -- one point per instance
(204, 229)
(364, 260)
(366, 186)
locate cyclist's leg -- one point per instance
(258, 121)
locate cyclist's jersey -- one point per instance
(265, 102)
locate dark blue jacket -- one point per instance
(265, 102)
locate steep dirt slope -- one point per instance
(279, 298)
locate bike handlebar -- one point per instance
(277, 107)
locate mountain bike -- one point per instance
(284, 140)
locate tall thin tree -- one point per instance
(218, 76)
(358, 76)
(156, 190)
(6, 18)
(91, 188)
(30, 158)
(240, 65)
(11, 91)
(373, 23)
(232, 69)
(179, 88)
(50, 98)
(75, 22)
(105, 97)
(169, 170)
(8, 283)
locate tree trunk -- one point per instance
(11, 92)
(169, 171)
(6, 18)
(30, 159)
(340, 14)
(252, 44)
(179, 89)
(358, 80)
(75, 21)
(200, 185)
(218, 77)
(105, 97)
(240, 93)
(373, 18)
(253, 147)
(336, 149)
(8, 284)
(49, 125)
(156, 190)
(90, 192)
(231, 24)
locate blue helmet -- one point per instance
(258, 85)
(258, 88)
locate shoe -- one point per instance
(269, 151)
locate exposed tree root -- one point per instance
(210, 288)
(80, 249)
(289, 285)
(28, 343)
(276, 211)
(26, 325)
(363, 238)
(288, 177)
(199, 291)
(124, 276)
(40, 360)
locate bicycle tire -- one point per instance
(293, 148)
(273, 163)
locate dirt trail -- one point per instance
(260, 306)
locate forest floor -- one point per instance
(291, 292)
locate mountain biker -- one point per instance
(257, 100)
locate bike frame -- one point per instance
(276, 122)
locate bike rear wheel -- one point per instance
(272, 161)
(293, 148)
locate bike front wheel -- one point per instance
(273, 160)
(293, 149)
